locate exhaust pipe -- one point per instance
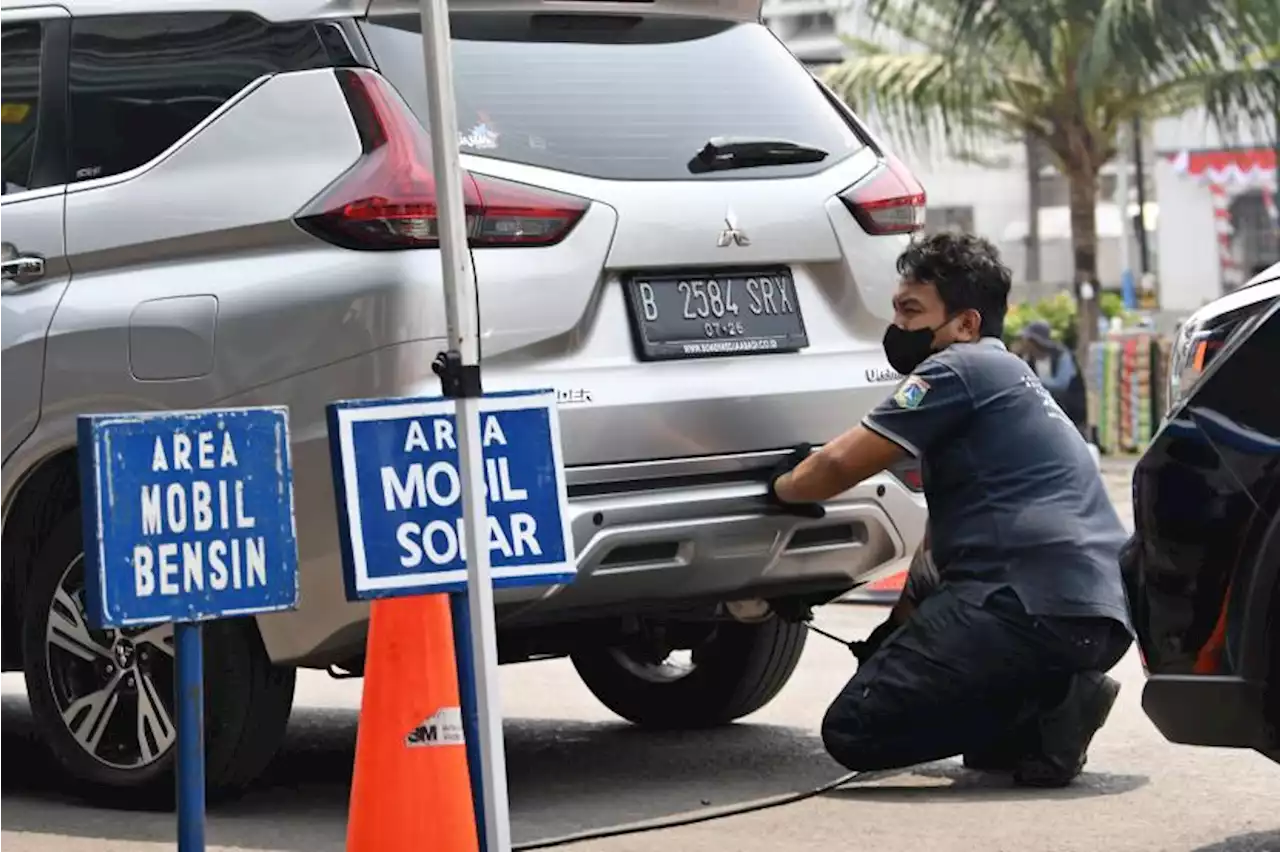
(749, 611)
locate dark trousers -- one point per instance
(958, 677)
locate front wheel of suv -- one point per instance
(103, 700)
(738, 669)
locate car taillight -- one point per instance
(387, 200)
(515, 214)
(909, 474)
(891, 201)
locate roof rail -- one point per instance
(270, 10)
(730, 10)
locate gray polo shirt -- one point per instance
(1015, 498)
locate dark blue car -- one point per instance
(1202, 570)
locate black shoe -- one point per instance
(998, 758)
(1004, 754)
(1066, 731)
(990, 761)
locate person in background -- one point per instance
(1056, 367)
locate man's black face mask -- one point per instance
(906, 349)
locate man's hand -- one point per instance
(864, 650)
(837, 467)
(805, 510)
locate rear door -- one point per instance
(35, 271)
(694, 309)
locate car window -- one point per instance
(139, 83)
(20, 68)
(617, 96)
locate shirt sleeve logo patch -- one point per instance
(911, 392)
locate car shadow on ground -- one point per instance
(564, 777)
(949, 782)
(1257, 841)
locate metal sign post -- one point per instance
(462, 369)
(404, 503)
(460, 372)
(188, 643)
(188, 517)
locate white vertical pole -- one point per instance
(1122, 200)
(461, 314)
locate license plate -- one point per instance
(723, 313)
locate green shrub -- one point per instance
(1059, 310)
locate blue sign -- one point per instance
(1127, 290)
(188, 515)
(399, 492)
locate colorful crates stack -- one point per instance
(1125, 378)
(1104, 403)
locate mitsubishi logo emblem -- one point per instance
(732, 234)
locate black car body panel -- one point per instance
(1202, 570)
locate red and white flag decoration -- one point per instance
(1236, 170)
(1229, 173)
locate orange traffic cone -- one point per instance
(411, 789)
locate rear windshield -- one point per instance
(626, 98)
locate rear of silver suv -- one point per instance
(671, 222)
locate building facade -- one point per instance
(1224, 189)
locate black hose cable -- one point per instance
(703, 816)
(714, 813)
(833, 637)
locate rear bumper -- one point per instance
(1207, 710)
(660, 546)
(654, 537)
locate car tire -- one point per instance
(115, 688)
(738, 670)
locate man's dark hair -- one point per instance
(967, 271)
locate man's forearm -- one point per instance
(838, 466)
(817, 478)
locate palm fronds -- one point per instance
(1067, 71)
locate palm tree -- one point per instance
(1069, 73)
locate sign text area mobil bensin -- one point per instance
(192, 515)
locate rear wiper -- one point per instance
(722, 153)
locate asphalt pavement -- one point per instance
(574, 767)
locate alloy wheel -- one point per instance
(113, 688)
(676, 665)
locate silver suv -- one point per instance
(672, 223)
